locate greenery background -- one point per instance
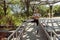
(16, 12)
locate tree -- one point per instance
(43, 10)
(14, 13)
(57, 10)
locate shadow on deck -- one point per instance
(31, 33)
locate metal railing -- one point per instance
(46, 32)
(18, 33)
(53, 33)
(56, 37)
(41, 20)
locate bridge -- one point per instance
(49, 29)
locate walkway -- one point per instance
(31, 33)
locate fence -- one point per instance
(18, 33)
(51, 28)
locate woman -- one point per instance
(36, 16)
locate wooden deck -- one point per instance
(31, 33)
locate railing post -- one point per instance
(54, 38)
(13, 37)
(22, 35)
(16, 36)
(51, 35)
(19, 36)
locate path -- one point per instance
(31, 34)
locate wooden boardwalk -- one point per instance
(31, 33)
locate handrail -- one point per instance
(52, 32)
(56, 35)
(45, 32)
(50, 20)
(15, 33)
(18, 32)
(47, 19)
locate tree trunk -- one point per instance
(4, 8)
(27, 6)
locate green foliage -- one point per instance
(43, 10)
(11, 18)
(15, 17)
(57, 8)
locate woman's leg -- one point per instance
(37, 22)
(37, 26)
